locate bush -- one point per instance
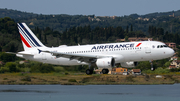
(130, 78)
(174, 70)
(157, 71)
(76, 68)
(160, 70)
(66, 73)
(72, 80)
(42, 68)
(26, 78)
(58, 69)
(21, 65)
(12, 67)
(146, 77)
(5, 79)
(4, 69)
(7, 57)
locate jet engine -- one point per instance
(105, 63)
(130, 64)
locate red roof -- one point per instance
(177, 61)
(172, 66)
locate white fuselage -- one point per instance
(121, 52)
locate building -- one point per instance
(146, 19)
(113, 17)
(131, 39)
(172, 45)
(172, 15)
(172, 67)
(174, 58)
(2, 63)
(120, 40)
(22, 62)
(136, 71)
(176, 63)
(119, 71)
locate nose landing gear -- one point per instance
(152, 68)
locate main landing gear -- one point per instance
(105, 71)
(89, 71)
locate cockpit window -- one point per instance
(161, 46)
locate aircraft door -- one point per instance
(148, 48)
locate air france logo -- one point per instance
(115, 46)
(138, 44)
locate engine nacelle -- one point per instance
(105, 63)
(130, 64)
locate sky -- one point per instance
(92, 7)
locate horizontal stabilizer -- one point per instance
(20, 53)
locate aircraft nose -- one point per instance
(171, 52)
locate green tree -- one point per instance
(11, 66)
(167, 64)
(131, 27)
(41, 68)
(145, 65)
(127, 29)
(7, 57)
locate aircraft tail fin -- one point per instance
(28, 38)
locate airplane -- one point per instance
(104, 56)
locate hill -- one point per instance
(157, 14)
(15, 14)
(54, 30)
(165, 20)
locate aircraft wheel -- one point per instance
(105, 71)
(152, 69)
(89, 71)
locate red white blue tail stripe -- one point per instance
(27, 36)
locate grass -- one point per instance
(83, 79)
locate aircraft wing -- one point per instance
(79, 57)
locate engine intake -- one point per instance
(105, 63)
